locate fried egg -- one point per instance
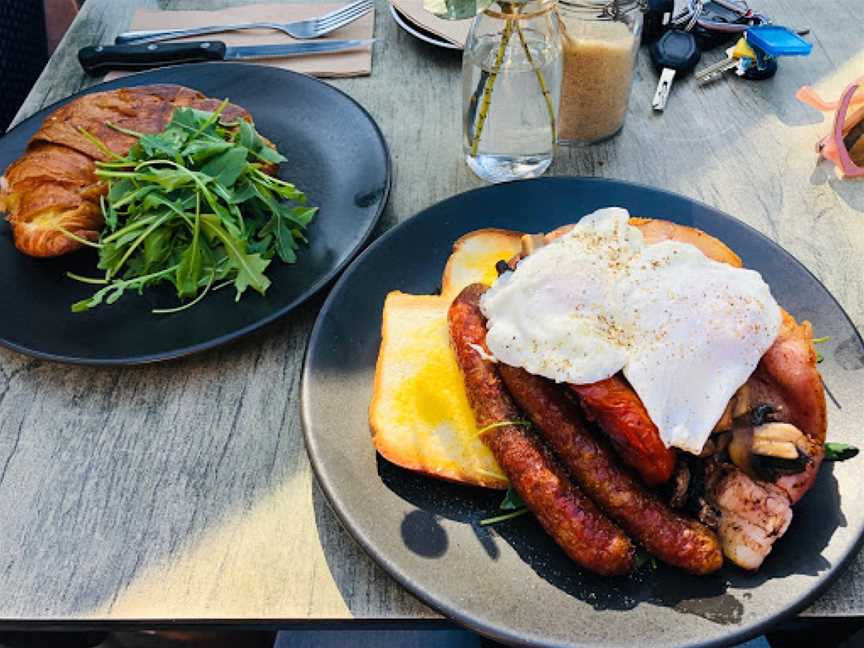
(686, 331)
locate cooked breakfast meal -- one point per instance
(629, 382)
(169, 186)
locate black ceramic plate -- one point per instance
(513, 583)
(336, 154)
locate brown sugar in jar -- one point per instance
(600, 40)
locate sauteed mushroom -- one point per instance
(779, 440)
(688, 488)
(680, 485)
(769, 450)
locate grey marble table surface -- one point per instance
(182, 490)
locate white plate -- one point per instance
(415, 30)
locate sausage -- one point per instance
(619, 412)
(568, 515)
(673, 538)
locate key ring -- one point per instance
(695, 7)
(690, 16)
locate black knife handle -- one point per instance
(102, 58)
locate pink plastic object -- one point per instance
(848, 113)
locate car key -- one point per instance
(675, 52)
(741, 50)
(748, 62)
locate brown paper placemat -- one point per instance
(337, 64)
(453, 31)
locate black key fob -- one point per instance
(677, 50)
(658, 16)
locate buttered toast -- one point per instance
(420, 417)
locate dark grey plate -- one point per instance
(513, 583)
(336, 154)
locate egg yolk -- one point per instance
(484, 266)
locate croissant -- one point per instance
(53, 189)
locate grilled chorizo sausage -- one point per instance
(571, 518)
(619, 412)
(674, 539)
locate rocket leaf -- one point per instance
(192, 205)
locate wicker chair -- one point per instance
(23, 53)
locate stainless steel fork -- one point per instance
(303, 29)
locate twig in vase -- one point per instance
(490, 83)
(475, 101)
(547, 96)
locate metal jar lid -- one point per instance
(600, 9)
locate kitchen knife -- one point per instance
(102, 58)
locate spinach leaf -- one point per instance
(250, 267)
(227, 167)
(503, 518)
(200, 150)
(157, 248)
(191, 206)
(270, 155)
(166, 144)
(511, 501)
(835, 451)
(247, 137)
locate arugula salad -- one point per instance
(194, 206)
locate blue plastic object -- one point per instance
(775, 40)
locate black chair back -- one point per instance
(23, 53)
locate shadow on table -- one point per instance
(850, 191)
(349, 565)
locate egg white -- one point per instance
(687, 331)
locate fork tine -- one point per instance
(332, 24)
(344, 17)
(336, 24)
(354, 9)
(342, 10)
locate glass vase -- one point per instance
(511, 81)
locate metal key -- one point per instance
(675, 53)
(741, 50)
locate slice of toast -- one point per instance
(655, 230)
(419, 415)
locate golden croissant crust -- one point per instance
(53, 186)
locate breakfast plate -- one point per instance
(418, 31)
(511, 582)
(335, 154)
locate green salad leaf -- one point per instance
(835, 451)
(193, 205)
(511, 503)
(643, 558)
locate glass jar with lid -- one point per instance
(511, 78)
(600, 40)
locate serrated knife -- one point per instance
(99, 59)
